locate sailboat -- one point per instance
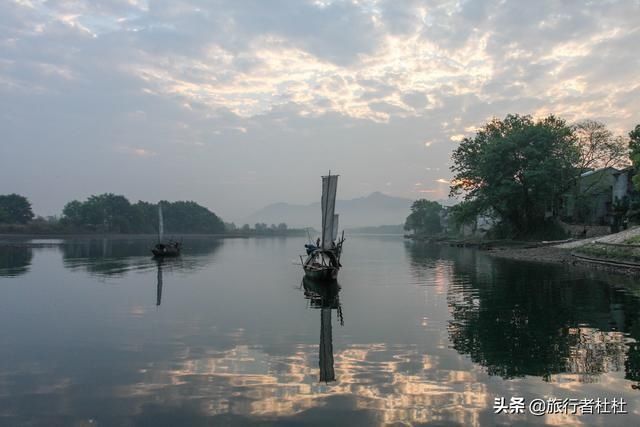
(323, 259)
(164, 249)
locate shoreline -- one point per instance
(561, 256)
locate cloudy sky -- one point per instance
(237, 104)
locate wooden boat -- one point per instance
(164, 249)
(169, 249)
(323, 259)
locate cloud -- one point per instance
(135, 151)
(195, 83)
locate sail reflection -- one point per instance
(324, 296)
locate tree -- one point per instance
(15, 209)
(282, 227)
(599, 148)
(634, 147)
(106, 212)
(463, 213)
(424, 217)
(190, 217)
(113, 213)
(516, 167)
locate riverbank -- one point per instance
(582, 253)
(611, 253)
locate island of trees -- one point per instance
(113, 214)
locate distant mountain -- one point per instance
(372, 210)
(380, 229)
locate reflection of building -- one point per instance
(594, 352)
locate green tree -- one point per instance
(15, 209)
(518, 168)
(463, 213)
(424, 217)
(190, 217)
(113, 213)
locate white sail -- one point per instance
(335, 227)
(328, 205)
(160, 223)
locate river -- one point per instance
(95, 332)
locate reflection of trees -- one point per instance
(15, 260)
(113, 257)
(521, 319)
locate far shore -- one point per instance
(22, 236)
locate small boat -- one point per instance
(164, 249)
(323, 258)
(169, 249)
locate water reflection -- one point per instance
(324, 296)
(159, 262)
(15, 259)
(237, 346)
(519, 319)
(114, 258)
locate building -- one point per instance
(600, 196)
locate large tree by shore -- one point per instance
(516, 167)
(519, 167)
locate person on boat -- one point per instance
(318, 243)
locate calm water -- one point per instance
(96, 333)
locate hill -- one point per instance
(372, 210)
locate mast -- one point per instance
(160, 223)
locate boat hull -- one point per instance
(326, 274)
(166, 250)
(167, 254)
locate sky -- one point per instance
(237, 104)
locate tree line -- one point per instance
(262, 229)
(111, 213)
